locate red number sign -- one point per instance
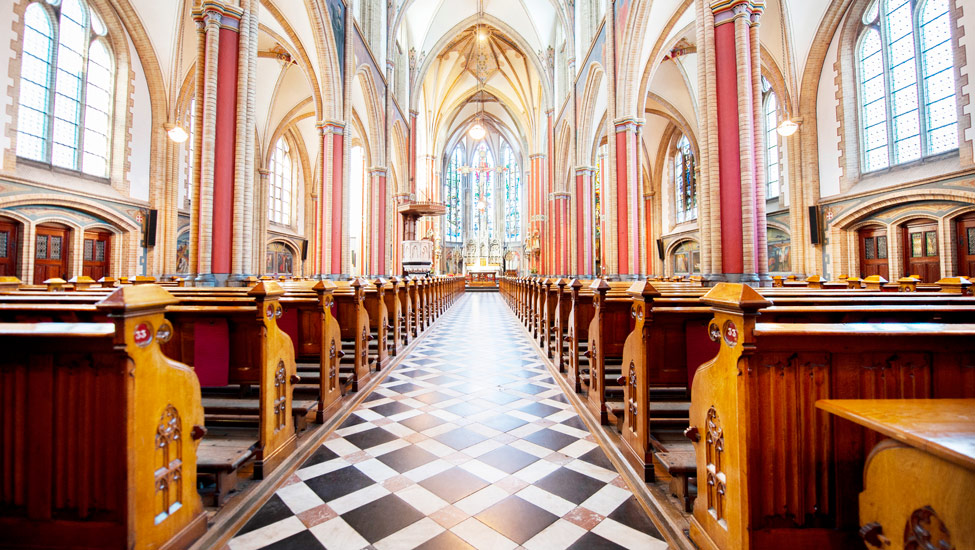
(142, 334)
(730, 334)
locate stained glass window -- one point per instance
(904, 42)
(511, 181)
(685, 181)
(771, 141)
(882, 247)
(483, 190)
(452, 187)
(280, 205)
(55, 252)
(89, 253)
(41, 247)
(66, 88)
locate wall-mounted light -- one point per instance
(177, 133)
(787, 127)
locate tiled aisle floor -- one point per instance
(469, 443)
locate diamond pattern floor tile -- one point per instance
(483, 420)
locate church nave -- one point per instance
(467, 443)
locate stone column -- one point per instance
(378, 247)
(412, 154)
(259, 247)
(560, 209)
(735, 194)
(627, 196)
(584, 221)
(332, 196)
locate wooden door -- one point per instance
(95, 254)
(8, 248)
(921, 251)
(50, 254)
(873, 252)
(966, 245)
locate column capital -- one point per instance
(264, 172)
(627, 124)
(217, 13)
(378, 171)
(585, 170)
(330, 127)
(561, 195)
(534, 156)
(549, 112)
(728, 10)
(414, 113)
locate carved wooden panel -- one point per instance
(169, 464)
(716, 480)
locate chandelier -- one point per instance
(477, 131)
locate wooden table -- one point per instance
(919, 486)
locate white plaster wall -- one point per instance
(140, 155)
(7, 81)
(827, 125)
(967, 41)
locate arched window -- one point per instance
(771, 109)
(66, 88)
(483, 190)
(907, 82)
(281, 205)
(358, 225)
(685, 181)
(452, 187)
(511, 182)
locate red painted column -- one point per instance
(581, 197)
(552, 248)
(224, 147)
(566, 238)
(338, 184)
(585, 228)
(412, 153)
(651, 244)
(625, 131)
(739, 138)
(383, 246)
(729, 161)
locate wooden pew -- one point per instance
(931, 452)
(753, 412)
(394, 309)
(353, 322)
(308, 320)
(99, 432)
(549, 304)
(580, 316)
(670, 339)
(236, 343)
(607, 334)
(374, 301)
(405, 293)
(560, 320)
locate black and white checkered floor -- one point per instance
(468, 443)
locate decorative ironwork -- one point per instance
(926, 531)
(169, 465)
(280, 398)
(632, 404)
(716, 480)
